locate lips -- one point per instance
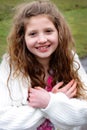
(43, 48)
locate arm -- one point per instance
(65, 112)
(13, 117)
(16, 118)
(39, 97)
(61, 110)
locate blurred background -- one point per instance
(75, 12)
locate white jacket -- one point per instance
(16, 114)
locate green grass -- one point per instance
(6, 7)
(4, 30)
(75, 12)
(77, 20)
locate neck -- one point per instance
(45, 63)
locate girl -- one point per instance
(41, 80)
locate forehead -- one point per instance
(40, 19)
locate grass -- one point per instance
(77, 20)
(4, 29)
(75, 13)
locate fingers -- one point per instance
(56, 87)
(68, 86)
(69, 89)
(38, 97)
(39, 88)
(73, 94)
(30, 91)
(72, 91)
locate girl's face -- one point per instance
(41, 37)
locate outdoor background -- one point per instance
(75, 12)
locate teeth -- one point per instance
(44, 47)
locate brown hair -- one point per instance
(61, 62)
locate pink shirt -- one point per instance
(47, 125)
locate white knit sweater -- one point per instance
(16, 114)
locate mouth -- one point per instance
(43, 48)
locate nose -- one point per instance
(42, 39)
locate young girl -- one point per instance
(42, 82)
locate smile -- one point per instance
(43, 48)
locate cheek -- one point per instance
(54, 37)
(28, 42)
(54, 40)
(29, 46)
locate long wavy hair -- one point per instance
(62, 60)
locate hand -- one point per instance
(38, 97)
(69, 89)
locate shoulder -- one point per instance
(4, 61)
(80, 69)
(4, 66)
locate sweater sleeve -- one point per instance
(65, 112)
(13, 117)
(81, 71)
(16, 118)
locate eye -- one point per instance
(32, 34)
(48, 31)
